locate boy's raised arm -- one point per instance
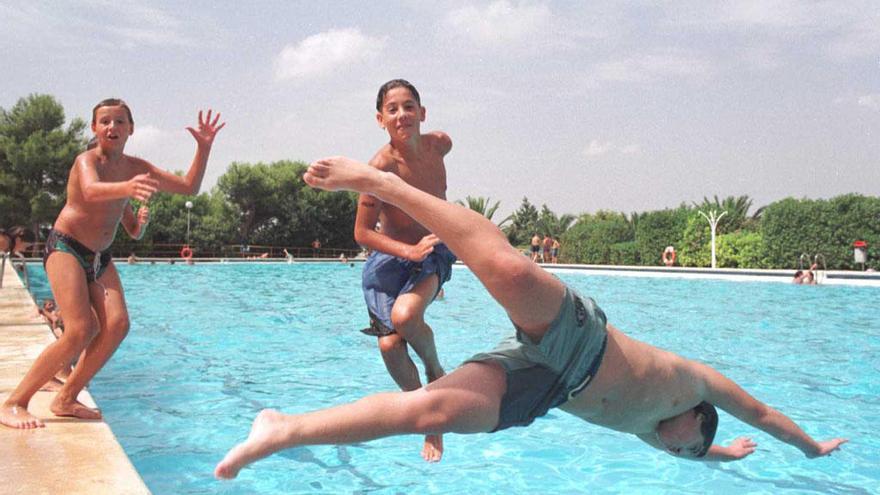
(190, 183)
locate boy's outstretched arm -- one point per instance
(190, 183)
(724, 393)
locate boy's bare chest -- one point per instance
(426, 175)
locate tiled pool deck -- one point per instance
(68, 456)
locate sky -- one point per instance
(582, 106)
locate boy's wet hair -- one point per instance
(708, 425)
(396, 83)
(112, 102)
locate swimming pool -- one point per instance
(212, 344)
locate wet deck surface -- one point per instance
(68, 456)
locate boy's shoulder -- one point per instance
(439, 140)
(384, 159)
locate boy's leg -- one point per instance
(108, 300)
(68, 284)
(530, 295)
(464, 401)
(408, 317)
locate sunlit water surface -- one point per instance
(213, 344)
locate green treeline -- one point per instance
(268, 204)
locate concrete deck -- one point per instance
(68, 456)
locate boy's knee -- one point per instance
(512, 270)
(119, 326)
(403, 317)
(391, 344)
(430, 414)
(79, 336)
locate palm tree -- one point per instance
(737, 209)
(555, 226)
(480, 205)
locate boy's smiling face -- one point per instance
(401, 114)
(112, 126)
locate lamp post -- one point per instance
(713, 222)
(189, 206)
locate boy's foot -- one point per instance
(73, 409)
(53, 385)
(15, 416)
(263, 440)
(340, 173)
(432, 451)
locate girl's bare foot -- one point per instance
(266, 437)
(16, 416)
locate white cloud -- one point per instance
(871, 101)
(597, 148)
(322, 53)
(630, 149)
(653, 67)
(146, 139)
(500, 21)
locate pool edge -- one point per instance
(67, 456)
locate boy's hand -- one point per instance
(741, 447)
(142, 186)
(828, 447)
(143, 216)
(425, 247)
(207, 129)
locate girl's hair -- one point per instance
(24, 233)
(111, 102)
(396, 83)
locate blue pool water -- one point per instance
(211, 345)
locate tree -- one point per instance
(521, 224)
(657, 229)
(737, 209)
(598, 239)
(480, 205)
(36, 154)
(550, 224)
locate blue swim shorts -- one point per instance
(386, 277)
(544, 375)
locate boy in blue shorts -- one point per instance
(408, 264)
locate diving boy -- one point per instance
(80, 270)
(564, 354)
(408, 264)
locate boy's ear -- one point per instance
(424, 114)
(379, 120)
